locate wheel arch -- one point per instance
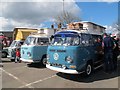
(44, 56)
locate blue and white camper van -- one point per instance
(12, 49)
(34, 49)
(75, 52)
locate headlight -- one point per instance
(69, 59)
(28, 53)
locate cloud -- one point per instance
(37, 0)
(32, 14)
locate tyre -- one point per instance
(44, 61)
(4, 55)
(88, 69)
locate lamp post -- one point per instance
(63, 7)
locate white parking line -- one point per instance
(38, 81)
(0, 78)
(16, 78)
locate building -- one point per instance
(87, 26)
(48, 31)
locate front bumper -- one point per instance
(29, 60)
(26, 60)
(10, 57)
(63, 70)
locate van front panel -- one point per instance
(33, 53)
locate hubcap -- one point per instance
(44, 61)
(88, 69)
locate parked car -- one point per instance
(4, 53)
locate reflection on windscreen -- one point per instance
(13, 44)
(36, 41)
(16, 43)
(30, 41)
(66, 40)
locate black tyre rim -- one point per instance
(4, 54)
(44, 61)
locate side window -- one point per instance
(43, 41)
(97, 40)
(86, 39)
(94, 39)
(38, 41)
(18, 44)
(21, 43)
(76, 41)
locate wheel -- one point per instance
(44, 61)
(88, 69)
(4, 55)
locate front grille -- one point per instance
(61, 50)
(55, 64)
(52, 50)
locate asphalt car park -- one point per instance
(22, 75)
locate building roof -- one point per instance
(90, 22)
(95, 24)
(25, 28)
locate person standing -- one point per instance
(108, 46)
(1, 48)
(115, 52)
(1, 45)
(17, 55)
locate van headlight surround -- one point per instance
(29, 54)
(69, 59)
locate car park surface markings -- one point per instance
(16, 78)
(17, 68)
(38, 81)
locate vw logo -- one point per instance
(56, 56)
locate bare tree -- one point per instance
(117, 26)
(66, 18)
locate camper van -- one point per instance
(76, 50)
(19, 36)
(34, 49)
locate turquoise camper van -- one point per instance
(34, 49)
(19, 36)
(74, 52)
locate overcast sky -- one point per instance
(34, 13)
(31, 14)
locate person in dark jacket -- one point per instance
(115, 52)
(108, 46)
